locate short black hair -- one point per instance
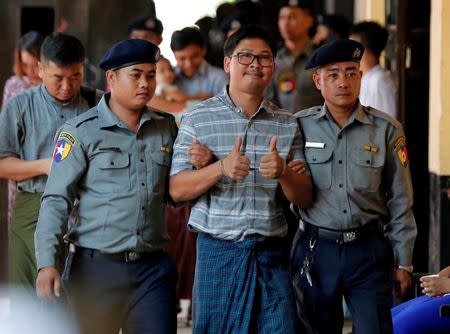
(373, 36)
(248, 31)
(62, 49)
(185, 37)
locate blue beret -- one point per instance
(129, 52)
(148, 23)
(336, 51)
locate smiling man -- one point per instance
(241, 280)
(358, 236)
(116, 158)
(28, 124)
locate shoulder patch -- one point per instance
(63, 146)
(401, 151)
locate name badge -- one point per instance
(314, 144)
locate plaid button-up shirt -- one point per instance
(232, 210)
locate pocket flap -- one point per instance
(162, 158)
(317, 155)
(368, 159)
(114, 160)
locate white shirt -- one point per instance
(378, 91)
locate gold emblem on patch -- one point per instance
(165, 149)
(356, 53)
(401, 151)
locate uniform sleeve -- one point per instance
(186, 134)
(401, 229)
(12, 130)
(68, 166)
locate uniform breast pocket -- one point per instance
(366, 170)
(319, 161)
(160, 170)
(113, 171)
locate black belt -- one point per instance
(126, 256)
(346, 236)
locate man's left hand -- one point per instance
(402, 280)
(272, 166)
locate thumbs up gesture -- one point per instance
(272, 166)
(235, 165)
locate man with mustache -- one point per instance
(241, 280)
(359, 234)
(116, 158)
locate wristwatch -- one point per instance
(409, 268)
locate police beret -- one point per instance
(146, 23)
(304, 4)
(129, 52)
(336, 51)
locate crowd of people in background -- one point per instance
(188, 169)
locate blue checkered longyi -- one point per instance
(242, 287)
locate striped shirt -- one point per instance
(232, 210)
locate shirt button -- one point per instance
(62, 116)
(340, 185)
(142, 160)
(143, 208)
(112, 163)
(314, 159)
(340, 137)
(344, 211)
(367, 161)
(142, 184)
(340, 161)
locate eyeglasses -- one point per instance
(246, 58)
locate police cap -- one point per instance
(129, 52)
(148, 23)
(303, 4)
(336, 51)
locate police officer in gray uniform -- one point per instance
(291, 87)
(28, 124)
(359, 234)
(116, 157)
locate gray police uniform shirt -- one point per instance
(28, 124)
(361, 175)
(121, 178)
(292, 87)
(209, 79)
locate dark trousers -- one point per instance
(107, 294)
(360, 271)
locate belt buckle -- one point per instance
(348, 236)
(131, 256)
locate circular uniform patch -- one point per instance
(286, 82)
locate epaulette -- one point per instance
(77, 121)
(379, 114)
(159, 114)
(308, 112)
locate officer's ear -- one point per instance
(316, 79)
(110, 76)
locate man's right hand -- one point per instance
(235, 165)
(48, 283)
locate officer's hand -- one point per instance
(235, 165)
(402, 280)
(297, 166)
(48, 283)
(46, 166)
(272, 166)
(199, 155)
(435, 286)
